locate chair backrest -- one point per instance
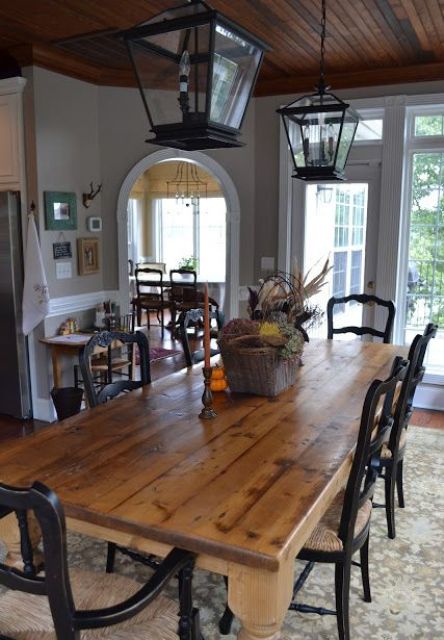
(363, 473)
(55, 582)
(149, 282)
(361, 298)
(183, 285)
(102, 342)
(419, 369)
(196, 316)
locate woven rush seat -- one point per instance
(325, 535)
(386, 454)
(24, 616)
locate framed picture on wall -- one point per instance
(88, 255)
(60, 210)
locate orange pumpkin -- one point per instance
(220, 384)
(217, 373)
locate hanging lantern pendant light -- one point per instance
(320, 128)
(196, 70)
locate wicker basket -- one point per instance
(257, 370)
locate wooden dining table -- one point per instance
(243, 490)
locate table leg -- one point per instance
(56, 367)
(10, 536)
(260, 599)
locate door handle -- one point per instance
(371, 284)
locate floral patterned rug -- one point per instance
(407, 574)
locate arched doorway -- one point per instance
(232, 220)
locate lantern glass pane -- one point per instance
(157, 59)
(347, 136)
(235, 64)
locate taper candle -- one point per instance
(207, 352)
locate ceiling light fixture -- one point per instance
(187, 185)
(320, 129)
(196, 71)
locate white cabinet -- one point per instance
(11, 134)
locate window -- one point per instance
(185, 229)
(342, 218)
(429, 125)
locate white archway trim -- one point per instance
(233, 221)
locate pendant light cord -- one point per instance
(322, 66)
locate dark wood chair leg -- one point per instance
(342, 588)
(363, 552)
(400, 483)
(110, 557)
(390, 500)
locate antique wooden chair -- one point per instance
(345, 527)
(150, 295)
(392, 453)
(194, 317)
(361, 298)
(62, 601)
(183, 293)
(103, 342)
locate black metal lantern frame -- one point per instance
(196, 71)
(320, 129)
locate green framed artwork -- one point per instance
(60, 210)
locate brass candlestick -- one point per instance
(207, 398)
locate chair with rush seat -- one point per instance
(195, 317)
(392, 454)
(335, 304)
(62, 602)
(103, 343)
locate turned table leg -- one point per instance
(10, 536)
(260, 599)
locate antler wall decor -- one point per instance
(87, 198)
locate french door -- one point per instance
(341, 222)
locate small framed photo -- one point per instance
(60, 210)
(88, 255)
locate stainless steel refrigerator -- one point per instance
(15, 392)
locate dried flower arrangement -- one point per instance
(278, 309)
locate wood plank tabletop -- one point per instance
(246, 487)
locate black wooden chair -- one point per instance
(104, 342)
(345, 527)
(150, 295)
(194, 318)
(62, 601)
(335, 304)
(392, 454)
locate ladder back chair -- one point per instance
(344, 529)
(150, 295)
(361, 298)
(194, 317)
(63, 601)
(104, 342)
(391, 463)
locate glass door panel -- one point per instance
(335, 227)
(424, 296)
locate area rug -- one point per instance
(159, 353)
(407, 574)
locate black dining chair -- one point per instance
(337, 304)
(344, 529)
(104, 343)
(194, 318)
(391, 462)
(63, 601)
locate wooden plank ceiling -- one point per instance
(369, 42)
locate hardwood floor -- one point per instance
(13, 428)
